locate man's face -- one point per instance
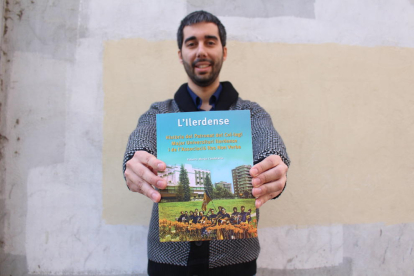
(202, 53)
(242, 209)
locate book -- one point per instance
(209, 187)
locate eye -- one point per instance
(190, 44)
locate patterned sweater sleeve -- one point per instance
(144, 137)
(266, 140)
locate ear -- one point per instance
(180, 56)
(224, 53)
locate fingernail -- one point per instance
(255, 171)
(154, 196)
(160, 166)
(160, 184)
(256, 181)
(258, 192)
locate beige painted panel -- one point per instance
(346, 114)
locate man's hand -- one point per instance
(141, 175)
(269, 179)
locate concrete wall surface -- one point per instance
(335, 76)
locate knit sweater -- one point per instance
(216, 257)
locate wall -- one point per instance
(335, 76)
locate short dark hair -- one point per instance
(198, 17)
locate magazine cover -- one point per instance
(208, 157)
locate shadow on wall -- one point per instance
(255, 9)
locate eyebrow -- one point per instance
(211, 37)
(189, 38)
(206, 36)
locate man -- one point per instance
(180, 218)
(202, 50)
(191, 217)
(195, 217)
(212, 216)
(220, 209)
(249, 215)
(235, 216)
(223, 218)
(243, 214)
(201, 217)
(185, 218)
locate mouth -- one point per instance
(202, 66)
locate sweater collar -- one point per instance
(228, 96)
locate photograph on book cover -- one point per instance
(208, 157)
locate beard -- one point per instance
(203, 80)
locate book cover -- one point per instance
(208, 157)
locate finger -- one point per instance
(150, 160)
(149, 177)
(269, 162)
(270, 175)
(132, 180)
(263, 199)
(134, 166)
(270, 188)
(152, 169)
(150, 192)
(137, 184)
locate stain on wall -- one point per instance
(42, 25)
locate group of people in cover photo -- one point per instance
(222, 217)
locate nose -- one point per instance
(201, 51)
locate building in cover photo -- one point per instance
(196, 178)
(242, 181)
(225, 185)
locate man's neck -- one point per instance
(204, 93)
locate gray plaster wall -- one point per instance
(51, 110)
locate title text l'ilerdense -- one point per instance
(204, 122)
